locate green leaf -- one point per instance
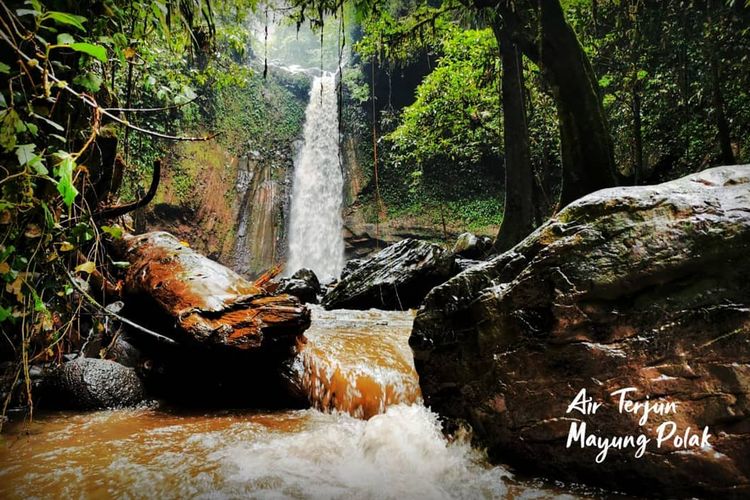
(65, 185)
(115, 232)
(49, 122)
(65, 39)
(27, 12)
(93, 50)
(31, 127)
(82, 232)
(4, 68)
(121, 264)
(90, 81)
(3, 104)
(8, 126)
(5, 313)
(65, 18)
(25, 153)
(26, 156)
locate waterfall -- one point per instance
(315, 239)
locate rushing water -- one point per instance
(358, 362)
(293, 454)
(315, 239)
(354, 363)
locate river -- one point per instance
(354, 364)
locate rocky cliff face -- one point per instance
(228, 197)
(635, 287)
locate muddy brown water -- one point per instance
(367, 436)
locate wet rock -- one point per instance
(471, 246)
(92, 384)
(300, 289)
(308, 277)
(303, 284)
(644, 287)
(464, 264)
(208, 303)
(351, 266)
(397, 277)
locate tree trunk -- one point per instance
(587, 150)
(586, 145)
(518, 217)
(722, 125)
(637, 135)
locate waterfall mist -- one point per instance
(315, 239)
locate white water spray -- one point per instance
(315, 239)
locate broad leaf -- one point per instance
(93, 50)
(65, 18)
(87, 267)
(114, 231)
(90, 81)
(25, 153)
(65, 39)
(65, 185)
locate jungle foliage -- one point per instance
(671, 78)
(89, 92)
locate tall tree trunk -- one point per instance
(722, 125)
(586, 145)
(518, 217)
(637, 135)
(587, 149)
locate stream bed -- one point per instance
(354, 364)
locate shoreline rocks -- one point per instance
(644, 287)
(208, 303)
(396, 278)
(92, 384)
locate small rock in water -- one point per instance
(300, 289)
(308, 276)
(303, 284)
(93, 384)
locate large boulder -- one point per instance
(92, 384)
(398, 277)
(635, 287)
(208, 303)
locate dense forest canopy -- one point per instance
(517, 108)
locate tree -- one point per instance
(545, 37)
(518, 215)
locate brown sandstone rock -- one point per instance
(645, 287)
(209, 303)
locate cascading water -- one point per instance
(315, 239)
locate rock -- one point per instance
(300, 289)
(397, 277)
(308, 276)
(92, 384)
(207, 302)
(645, 287)
(351, 266)
(464, 264)
(472, 247)
(303, 284)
